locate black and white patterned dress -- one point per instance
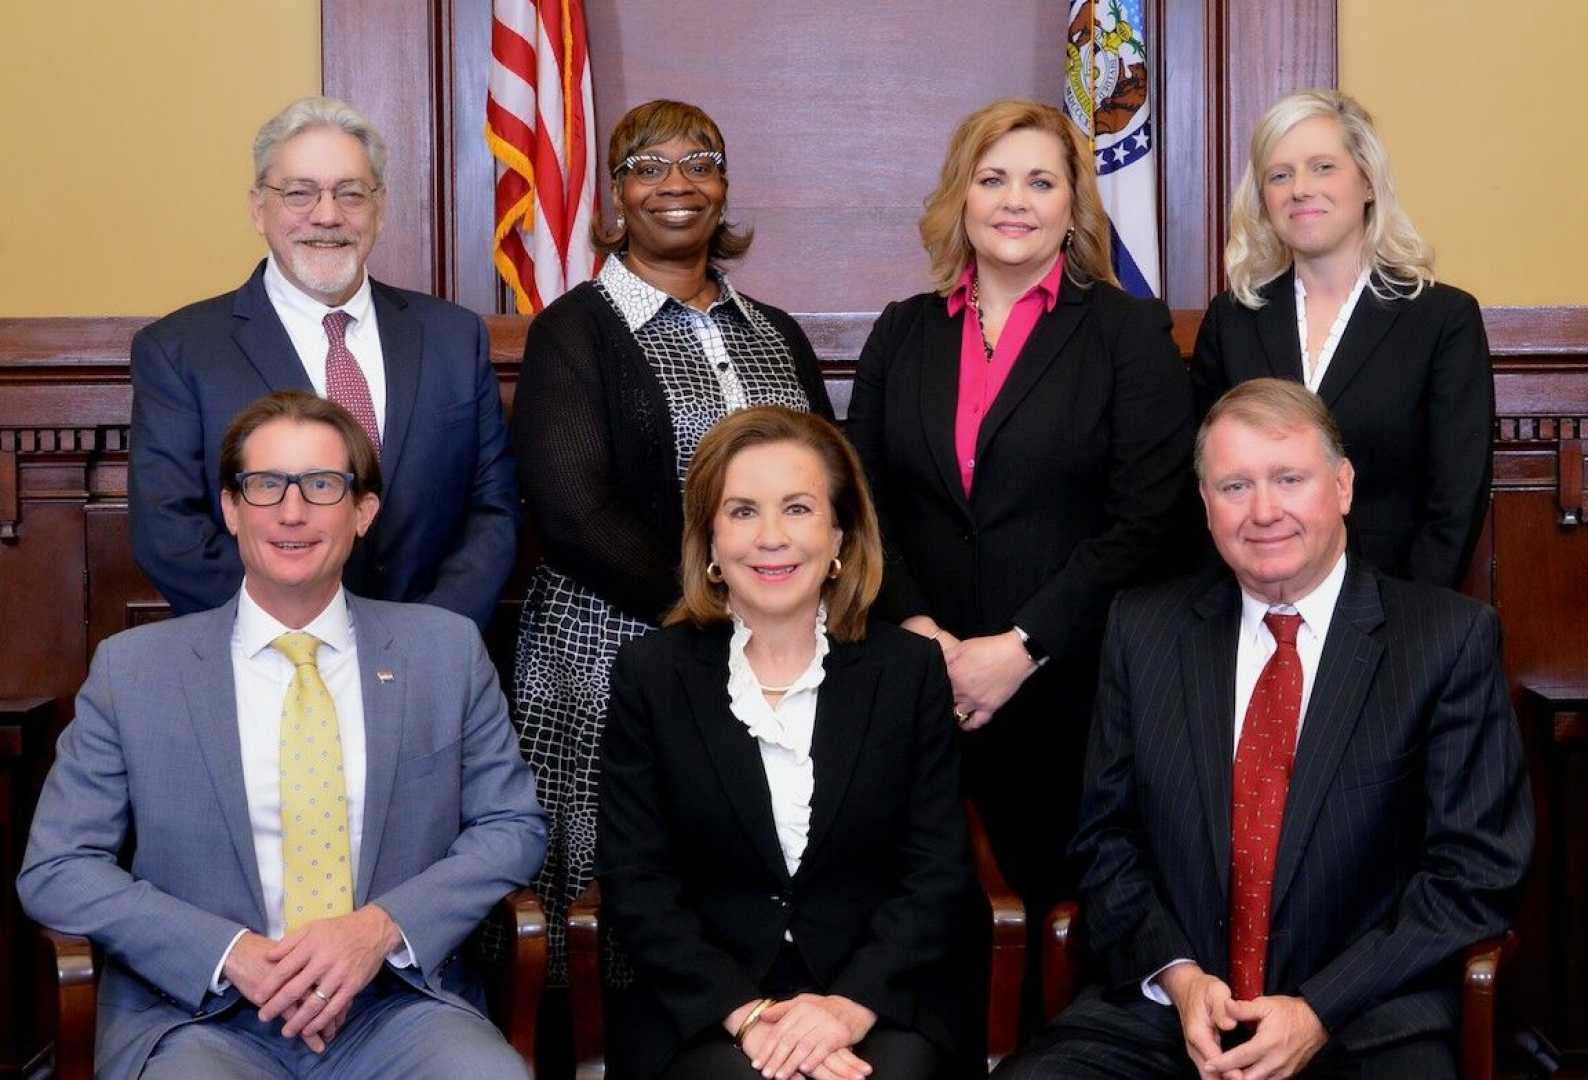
(708, 364)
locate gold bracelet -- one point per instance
(749, 1021)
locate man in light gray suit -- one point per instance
(325, 793)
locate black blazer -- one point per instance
(693, 882)
(1407, 828)
(1082, 466)
(1410, 387)
(447, 531)
(596, 449)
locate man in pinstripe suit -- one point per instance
(1403, 821)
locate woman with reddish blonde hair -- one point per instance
(1026, 427)
(782, 848)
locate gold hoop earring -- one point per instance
(836, 569)
(714, 572)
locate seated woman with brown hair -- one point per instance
(782, 850)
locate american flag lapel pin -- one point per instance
(385, 675)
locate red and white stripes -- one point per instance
(539, 120)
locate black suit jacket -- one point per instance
(694, 884)
(1407, 827)
(448, 523)
(1410, 387)
(1082, 467)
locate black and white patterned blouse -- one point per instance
(708, 364)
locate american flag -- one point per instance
(538, 118)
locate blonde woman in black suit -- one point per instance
(1026, 427)
(1331, 286)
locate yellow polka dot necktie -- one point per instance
(317, 868)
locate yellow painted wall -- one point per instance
(1482, 108)
(126, 130)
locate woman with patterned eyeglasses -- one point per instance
(621, 378)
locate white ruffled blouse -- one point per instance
(783, 735)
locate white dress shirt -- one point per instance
(261, 676)
(1253, 648)
(304, 318)
(1313, 375)
(783, 735)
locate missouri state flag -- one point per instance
(1105, 93)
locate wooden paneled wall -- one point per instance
(836, 115)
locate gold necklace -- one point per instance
(981, 318)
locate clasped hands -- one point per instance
(1286, 1032)
(807, 1035)
(311, 975)
(985, 671)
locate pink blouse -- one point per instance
(980, 379)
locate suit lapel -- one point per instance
(843, 715)
(384, 717)
(401, 345)
(1207, 671)
(940, 396)
(731, 747)
(1367, 326)
(1276, 328)
(1339, 690)
(264, 340)
(1048, 338)
(211, 694)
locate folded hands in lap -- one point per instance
(808, 1035)
(310, 977)
(1286, 1032)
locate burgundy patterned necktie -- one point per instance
(1262, 779)
(344, 382)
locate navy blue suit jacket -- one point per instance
(448, 523)
(1407, 828)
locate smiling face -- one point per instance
(775, 534)
(672, 220)
(321, 250)
(1018, 207)
(1276, 506)
(293, 552)
(1313, 191)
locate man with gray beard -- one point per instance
(413, 370)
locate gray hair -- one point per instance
(1271, 405)
(314, 112)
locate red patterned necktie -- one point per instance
(1262, 778)
(344, 381)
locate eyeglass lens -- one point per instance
(321, 487)
(698, 167)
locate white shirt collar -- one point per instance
(638, 300)
(1356, 290)
(1316, 608)
(749, 704)
(287, 298)
(256, 628)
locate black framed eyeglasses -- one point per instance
(352, 197)
(697, 166)
(322, 487)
